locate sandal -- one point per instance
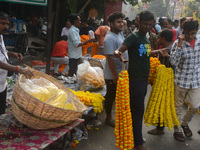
(179, 136)
(187, 131)
(156, 132)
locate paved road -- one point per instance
(104, 138)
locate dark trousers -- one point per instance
(3, 101)
(138, 90)
(73, 65)
(110, 95)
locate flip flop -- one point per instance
(187, 131)
(179, 136)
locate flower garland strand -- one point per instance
(154, 63)
(123, 119)
(161, 108)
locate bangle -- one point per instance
(17, 69)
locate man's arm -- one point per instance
(15, 55)
(112, 66)
(85, 42)
(119, 52)
(17, 69)
(176, 51)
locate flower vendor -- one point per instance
(139, 52)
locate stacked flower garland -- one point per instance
(123, 119)
(90, 99)
(160, 108)
(154, 63)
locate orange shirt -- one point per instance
(60, 49)
(102, 31)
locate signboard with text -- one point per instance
(31, 2)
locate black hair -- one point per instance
(167, 34)
(176, 21)
(133, 21)
(129, 22)
(146, 16)
(73, 18)
(190, 25)
(169, 20)
(127, 18)
(83, 20)
(161, 20)
(64, 37)
(4, 16)
(182, 19)
(115, 15)
(68, 20)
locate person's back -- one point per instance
(59, 56)
(60, 49)
(101, 32)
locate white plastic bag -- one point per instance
(89, 78)
(45, 91)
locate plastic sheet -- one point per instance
(44, 90)
(90, 78)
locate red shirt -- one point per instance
(192, 43)
(153, 30)
(60, 49)
(174, 34)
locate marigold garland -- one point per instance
(154, 63)
(160, 108)
(90, 99)
(123, 119)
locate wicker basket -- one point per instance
(39, 115)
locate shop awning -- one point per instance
(30, 2)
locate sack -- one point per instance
(90, 78)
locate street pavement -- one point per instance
(104, 139)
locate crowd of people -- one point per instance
(131, 42)
(177, 46)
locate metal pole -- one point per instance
(49, 36)
(173, 11)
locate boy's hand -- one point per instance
(181, 38)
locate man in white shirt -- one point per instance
(4, 62)
(75, 44)
(65, 30)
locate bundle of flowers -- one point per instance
(160, 108)
(154, 63)
(91, 99)
(123, 119)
